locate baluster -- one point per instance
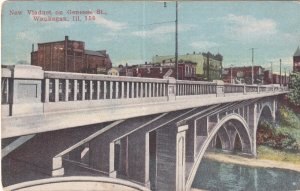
(104, 90)
(110, 89)
(117, 90)
(150, 89)
(127, 90)
(146, 89)
(132, 89)
(123, 90)
(142, 89)
(98, 90)
(137, 89)
(66, 90)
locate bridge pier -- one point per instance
(191, 141)
(171, 158)
(252, 123)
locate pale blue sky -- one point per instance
(128, 34)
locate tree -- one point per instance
(294, 95)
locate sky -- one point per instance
(135, 31)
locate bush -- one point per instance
(288, 118)
(277, 138)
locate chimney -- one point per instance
(66, 38)
(32, 48)
(146, 63)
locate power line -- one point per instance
(150, 24)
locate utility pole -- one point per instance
(284, 76)
(252, 79)
(280, 73)
(231, 81)
(272, 72)
(176, 41)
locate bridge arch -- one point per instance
(240, 125)
(266, 110)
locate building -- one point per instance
(275, 78)
(70, 56)
(296, 60)
(121, 71)
(186, 70)
(208, 66)
(243, 74)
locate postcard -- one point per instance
(150, 95)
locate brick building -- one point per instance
(275, 78)
(296, 60)
(243, 74)
(186, 70)
(208, 66)
(70, 56)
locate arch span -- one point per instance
(240, 123)
(267, 109)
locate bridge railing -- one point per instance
(28, 89)
(61, 86)
(184, 88)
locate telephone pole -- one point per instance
(280, 73)
(252, 79)
(272, 72)
(176, 41)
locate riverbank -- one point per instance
(235, 159)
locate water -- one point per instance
(216, 176)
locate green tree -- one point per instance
(294, 95)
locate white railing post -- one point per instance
(122, 90)
(98, 90)
(66, 90)
(104, 90)
(117, 90)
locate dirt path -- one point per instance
(235, 159)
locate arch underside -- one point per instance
(227, 130)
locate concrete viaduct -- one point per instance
(139, 133)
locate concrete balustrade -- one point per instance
(28, 89)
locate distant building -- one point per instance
(274, 78)
(296, 60)
(208, 66)
(243, 74)
(70, 56)
(121, 71)
(186, 70)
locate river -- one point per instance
(217, 176)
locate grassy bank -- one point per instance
(254, 162)
(264, 152)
